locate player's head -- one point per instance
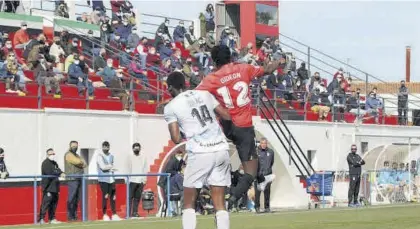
(221, 55)
(176, 83)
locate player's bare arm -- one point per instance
(174, 131)
(271, 66)
(222, 112)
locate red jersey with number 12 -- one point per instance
(230, 86)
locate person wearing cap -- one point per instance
(355, 163)
(3, 169)
(303, 73)
(106, 169)
(50, 188)
(21, 37)
(137, 164)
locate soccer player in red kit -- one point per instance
(230, 85)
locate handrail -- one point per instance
(170, 18)
(83, 179)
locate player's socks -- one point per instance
(222, 220)
(243, 185)
(189, 219)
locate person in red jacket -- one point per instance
(21, 37)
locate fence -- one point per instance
(85, 181)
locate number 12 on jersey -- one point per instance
(243, 99)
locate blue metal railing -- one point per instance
(83, 178)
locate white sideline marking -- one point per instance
(235, 215)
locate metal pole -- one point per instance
(409, 172)
(132, 102)
(275, 104)
(383, 111)
(309, 61)
(35, 201)
(258, 99)
(128, 199)
(323, 191)
(83, 199)
(168, 203)
(305, 99)
(87, 92)
(157, 89)
(39, 94)
(366, 84)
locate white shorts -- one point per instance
(207, 169)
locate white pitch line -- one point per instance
(79, 224)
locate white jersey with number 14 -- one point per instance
(194, 112)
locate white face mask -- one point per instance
(178, 158)
(104, 29)
(167, 23)
(109, 65)
(24, 27)
(241, 171)
(51, 157)
(159, 34)
(125, 23)
(152, 52)
(8, 46)
(231, 37)
(117, 38)
(119, 75)
(76, 62)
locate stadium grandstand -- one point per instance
(96, 71)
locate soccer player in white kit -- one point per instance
(208, 163)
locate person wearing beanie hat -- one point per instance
(105, 166)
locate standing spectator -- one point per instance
(275, 85)
(164, 28)
(133, 39)
(73, 165)
(21, 37)
(105, 166)
(44, 75)
(3, 169)
(62, 10)
(355, 163)
(179, 32)
(118, 89)
(402, 104)
(79, 78)
(209, 17)
(189, 37)
(159, 38)
(276, 46)
(50, 188)
(303, 73)
(137, 164)
(106, 31)
(265, 172)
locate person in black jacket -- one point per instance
(50, 188)
(173, 167)
(3, 169)
(355, 170)
(265, 172)
(402, 104)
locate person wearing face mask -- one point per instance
(402, 104)
(163, 29)
(100, 62)
(179, 32)
(105, 166)
(108, 73)
(124, 30)
(74, 164)
(265, 172)
(119, 90)
(79, 78)
(3, 169)
(165, 50)
(73, 46)
(50, 188)
(173, 167)
(137, 164)
(21, 37)
(372, 106)
(355, 163)
(56, 50)
(189, 37)
(133, 39)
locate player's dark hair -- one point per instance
(221, 55)
(176, 80)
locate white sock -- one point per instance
(222, 220)
(189, 219)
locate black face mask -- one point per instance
(353, 151)
(105, 151)
(57, 43)
(1, 159)
(136, 152)
(73, 149)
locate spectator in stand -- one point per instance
(85, 18)
(73, 47)
(125, 58)
(133, 39)
(159, 38)
(62, 10)
(166, 65)
(198, 51)
(165, 50)
(127, 12)
(153, 58)
(116, 46)
(8, 48)
(210, 41)
(68, 61)
(230, 42)
(334, 86)
(3, 169)
(137, 164)
(176, 58)
(106, 31)
(88, 45)
(317, 102)
(209, 16)
(142, 50)
(56, 50)
(97, 4)
(32, 43)
(137, 72)
(124, 30)
(292, 66)
(303, 73)
(116, 9)
(44, 75)
(354, 106)
(118, 89)
(11, 6)
(189, 37)
(339, 103)
(163, 28)
(402, 104)
(50, 188)
(99, 61)
(315, 81)
(276, 46)
(3, 56)
(299, 89)
(179, 32)
(78, 77)
(275, 85)
(277, 55)
(14, 76)
(245, 50)
(108, 73)
(373, 105)
(196, 78)
(287, 81)
(97, 16)
(21, 37)
(83, 65)
(188, 69)
(65, 40)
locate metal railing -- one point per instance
(83, 179)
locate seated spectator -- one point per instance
(97, 16)
(277, 55)
(275, 85)
(83, 65)
(62, 10)
(354, 106)
(108, 73)
(166, 65)
(116, 9)
(127, 12)
(21, 37)
(133, 39)
(153, 58)
(165, 50)
(118, 89)
(230, 42)
(245, 50)
(65, 40)
(124, 30)
(302, 73)
(339, 103)
(315, 81)
(373, 106)
(334, 86)
(179, 32)
(276, 46)
(33, 57)
(106, 31)
(116, 45)
(188, 69)
(142, 50)
(99, 62)
(68, 61)
(13, 75)
(196, 78)
(318, 105)
(3, 56)
(287, 81)
(176, 59)
(189, 37)
(209, 17)
(32, 43)
(45, 76)
(78, 77)
(137, 72)
(56, 50)
(125, 58)
(163, 29)
(159, 39)
(73, 47)
(292, 65)
(84, 18)
(89, 46)
(8, 48)
(299, 90)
